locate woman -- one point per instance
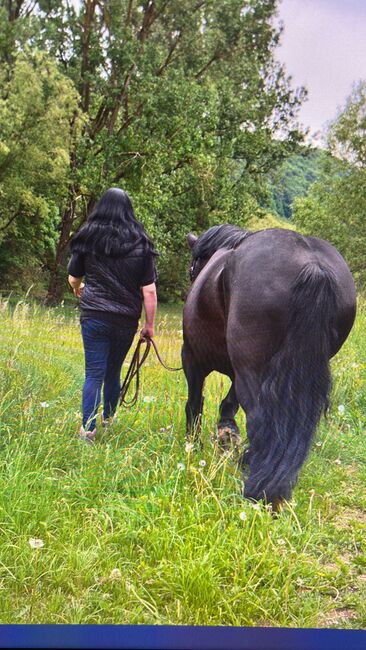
(115, 256)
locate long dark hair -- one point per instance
(111, 228)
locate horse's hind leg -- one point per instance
(247, 386)
(195, 376)
(227, 430)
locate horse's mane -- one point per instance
(225, 236)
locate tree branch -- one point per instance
(215, 57)
(10, 221)
(129, 12)
(90, 6)
(164, 65)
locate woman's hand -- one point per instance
(78, 290)
(147, 332)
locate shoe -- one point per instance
(87, 436)
(106, 422)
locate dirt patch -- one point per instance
(331, 566)
(344, 518)
(337, 617)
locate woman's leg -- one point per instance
(120, 343)
(96, 339)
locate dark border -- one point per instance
(163, 637)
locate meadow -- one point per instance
(140, 529)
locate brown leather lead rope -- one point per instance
(134, 370)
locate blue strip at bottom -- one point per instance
(181, 637)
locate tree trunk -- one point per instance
(57, 282)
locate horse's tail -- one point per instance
(295, 390)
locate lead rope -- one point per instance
(134, 370)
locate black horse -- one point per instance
(268, 309)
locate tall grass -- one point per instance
(137, 529)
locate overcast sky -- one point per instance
(324, 49)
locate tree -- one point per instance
(294, 178)
(35, 113)
(173, 96)
(335, 209)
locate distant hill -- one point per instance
(294, 178)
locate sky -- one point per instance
(324, 49)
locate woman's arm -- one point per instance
(77, 285)
(150, 303)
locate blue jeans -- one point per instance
(105, 348)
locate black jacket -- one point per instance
(113, 285)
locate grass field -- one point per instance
(136, 529)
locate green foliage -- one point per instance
(181, 106)
(335, 207)
(129, 537)
(294, 178)
(35, 112)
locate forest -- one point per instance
(185, 106)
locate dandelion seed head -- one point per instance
(115, 574)
(181, 466)
(202, 463)
(189, 447)
(341, 409)
(35, 543)
(243, 516)
(256, 506)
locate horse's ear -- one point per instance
(191, 239)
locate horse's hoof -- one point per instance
(228, 437)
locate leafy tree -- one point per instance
(35, 113)
(335, 209)
(296, 175)
(173, 97)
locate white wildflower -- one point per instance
(256, 506)
(318, 444)
(281, 542)
(115, 574)
(189, 447)
(243, 516)
(341, 409)
(44, 405)
(149, 398)
(35, 543)
(202, 463)
(338, 461)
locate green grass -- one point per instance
(131, 538)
